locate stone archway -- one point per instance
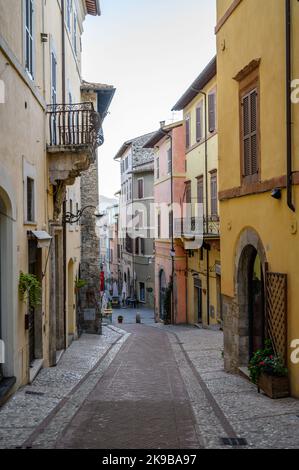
(8, 287)
(250, 265)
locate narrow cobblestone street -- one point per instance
(145, 386)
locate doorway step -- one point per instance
(244, 373)
(59, 355)
(6, 388)
(35, 367)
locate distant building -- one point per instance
(170, 256)
(137, 198)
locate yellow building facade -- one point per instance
(203, 272)
(40, 167)
(258, 122)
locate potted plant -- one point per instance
(30, 290)
(269, 373)
(120, 319)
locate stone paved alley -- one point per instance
(145, 386)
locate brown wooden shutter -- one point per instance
(214, 196)
(187, 124)
(276, 309)
(200, 190)
(188, 192)
(198, 124)
(250, 149)
(212, 112)
(159, 225)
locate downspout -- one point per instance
(206, 220)
(64, 203)
(172, 224)
(289, 104)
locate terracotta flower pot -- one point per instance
(274, 387)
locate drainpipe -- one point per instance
(169, 136)
(206, 228)
(289, 104)
(64, 203)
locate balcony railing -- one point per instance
(74, 125)
(190, 227)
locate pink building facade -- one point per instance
(170, 256)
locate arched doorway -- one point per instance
(71, 302)
(256, 307)
(8, 287)
(250, 296)
(162, 293)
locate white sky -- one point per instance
(151, 51)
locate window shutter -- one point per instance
(140, 189)
(188, 192)
(187, 124)
(198, 124)
(169, 161)
(212, 112)
(250, 151)
(142, 246)
(214, 196)
(200, 190)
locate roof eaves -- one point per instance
(201, 81)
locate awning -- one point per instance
(44, 239)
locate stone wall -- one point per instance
(90, 248)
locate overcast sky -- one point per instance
(151, 51)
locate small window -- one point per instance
(69, 8)
(142, 246)
(250, 133)
(140, 189)
(75, 34)
(29, 43)
(141, 291)
(200, 190)
(137, 246)
(169, 161)
(30, 200)
(212, 112)
(158, 168)
(159, 225)
(214, 195)
(187, 130)
(198, 124)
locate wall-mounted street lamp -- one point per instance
(70, 218)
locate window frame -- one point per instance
(188, 131)
(29, 67)
(138, 188)
(247, 85)
(199, 124)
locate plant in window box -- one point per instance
(268, 372)
(79, 284)
(30, 289)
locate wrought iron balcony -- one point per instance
(75, 132)
(197, 227)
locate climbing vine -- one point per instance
(30, 289)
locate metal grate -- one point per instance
(276, 291)
(234, 441)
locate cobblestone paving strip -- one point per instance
(53, 426)
(31, 404)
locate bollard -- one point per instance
(138, 318)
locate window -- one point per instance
(249, 133)
(169, 161)
(187, 130)
(140, 189)
(198, 124)
(141, 291)
(69, 7)
(158, 168)
(188, 192)
(137, 246)
(214, 195)
(122, 167)
(77, 210)
(30, 200)
(130, 189)
(200, 190)
(212, 111)
(75, 33)
(142, 246)
(159, 225)
(53, 78)
(29, 46)
(126, 163)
